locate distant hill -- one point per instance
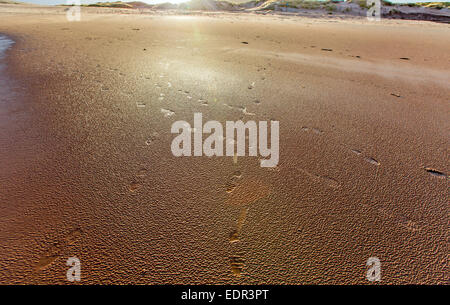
(118, 4)
(139, 4)
(432, 11)
(10, 2)
(246, 4)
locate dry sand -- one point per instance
(87, 171)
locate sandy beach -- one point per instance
(86, 168)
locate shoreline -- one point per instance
(6, 44)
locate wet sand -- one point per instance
(87, 171)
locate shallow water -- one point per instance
(6, 92)
(5, 43)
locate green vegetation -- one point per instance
(9, 2)
(111, 4)
(118, 4)
(331, 8)
(437, 5)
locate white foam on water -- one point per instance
(5, 43)
(6, 92)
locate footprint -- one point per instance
(435, 173)
(330, 182)
(312, 129)
(322, 179)
(134, 186)
(232, 183)
(234, 236)
(57, 249)
(244, 111)
(152, 138)
(46, 260)
(357, 152)
(247, 192)
(408, 224)
(73, 236)
(237, 265)
(142, 173)
(400, 220)
(167, 113)
(367, 159)
(372, 161)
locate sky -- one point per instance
(53, 2)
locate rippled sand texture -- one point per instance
(87, 171)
